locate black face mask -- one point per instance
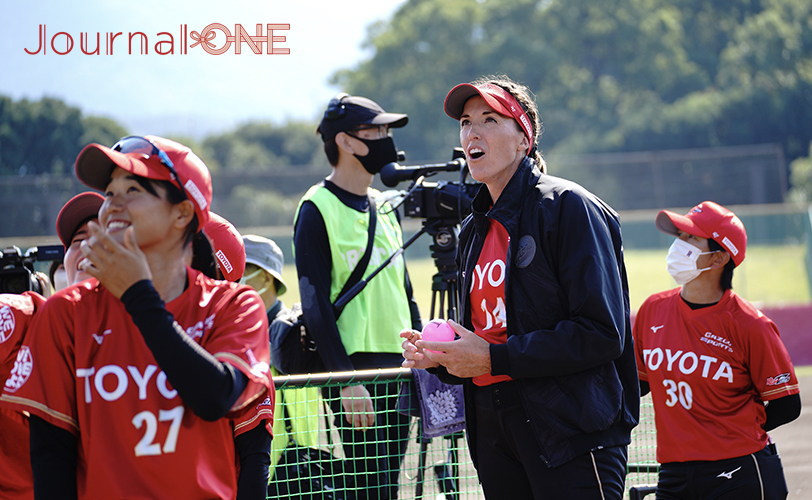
(381, 152)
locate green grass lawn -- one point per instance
(769, 275)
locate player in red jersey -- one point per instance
(225, 253)
(16, 313)
(719, 375)
(129, 376)
(72, 228)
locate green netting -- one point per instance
(430, 468)
(436, 469)
(642, 468)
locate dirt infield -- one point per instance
(794, 442)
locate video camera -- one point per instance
(434, 200)
(17, 269)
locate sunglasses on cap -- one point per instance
(147, 148)
(380, 131)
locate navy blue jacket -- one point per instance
(569, 346)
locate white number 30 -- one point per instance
(146, 446)
(681, 392)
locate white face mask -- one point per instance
(244, 280)
(681, 261)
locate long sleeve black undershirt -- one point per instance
(314, 266)
(254, 452)
(779, 411)
(782, 411)
(53, 460)
(207, 386)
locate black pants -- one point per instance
(373, 456)
(509, 460)
(758, 476)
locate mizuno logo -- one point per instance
(655, 328)
(729, 475)
(100, 338)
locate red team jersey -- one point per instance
(488, 313)
(260, 412)
(16, 313)
(87, 369)
(710, 372)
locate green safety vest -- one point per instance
(372, 320)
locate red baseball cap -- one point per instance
(499, 99)
(154, 158)
(77, 210)
(708, 220)
(228, 246)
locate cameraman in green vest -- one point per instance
(330, 238)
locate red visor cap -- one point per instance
(95, 165)
(496, 97)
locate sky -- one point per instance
(190, 92)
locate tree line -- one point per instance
(611, 76)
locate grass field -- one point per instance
(769, 275)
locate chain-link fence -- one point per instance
(309, 460)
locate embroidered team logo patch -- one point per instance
(717, 341)
(197, 330)
(779, 379)
(266, 403)
(21, 371)
(527, 250)
(6, 323)
(224, 261)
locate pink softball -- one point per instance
(437, 330)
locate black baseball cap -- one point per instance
(345, 112)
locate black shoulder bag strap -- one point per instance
(359, 270)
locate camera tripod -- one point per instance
(444, 282)
(444, 302)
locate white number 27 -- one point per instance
(146, 446)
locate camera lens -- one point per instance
(17, 281)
